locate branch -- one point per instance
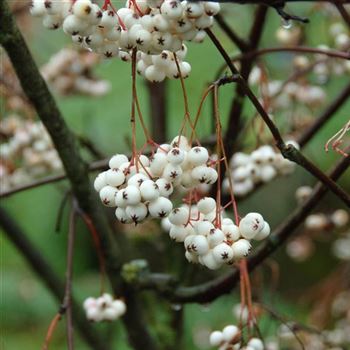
(45, 272)
(288, 151)
(240, 43)
(343, 12)
(157, 98)
(325, 116)
(66, 144)
(67, 301)
(209, 291)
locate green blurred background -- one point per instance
(27, 307)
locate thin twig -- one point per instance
(45, 272)
(288, 151)
(241, 44)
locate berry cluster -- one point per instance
(104, 308)
(141, 186)
(70, 72)
(229, 339)
(262, 165)
(156, 28)
(208, 243)
(282, 95)
(28, 152)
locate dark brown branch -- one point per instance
(211, 290)
(45, 272)
(343, 12)
(239, 42)
(302, 49)
(288, 151)
(337, 103)
(67, 301)
(66, 144)
(234, 122)
(157, 99)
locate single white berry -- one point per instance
(138, 179)
(100, 181)
(200, 245)
(119, 306)
(114, 177)
(209, 261)
(171, 9)
(241, 248)
(216, 338)
(176, 156)
(89, 302)
(340, 218)
(179, 216)
(198, 156)
(222, 253)
(117, 160)
(251, 225)
(122, 216)
(231, 232)
(94, 314)
(165, 187)
(215, 237)
(149, 190)
(107, 195)
(203, 227)
(256, 344)
(172, 172)
(137, 212)
(160, 208)
(178, 233)
(206, 205)
(230, 332)
(263, 233)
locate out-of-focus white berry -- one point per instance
(340, 218)
(230, 332)
(216, 338)
(316, 222)
(256, 344)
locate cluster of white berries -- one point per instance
(260, 166)
(142, 186)
(104, 308)
(70, 72)
(320, 221)
(283, 95)
(229, 339)
(207, 244)
(156, 28)
(27, 154)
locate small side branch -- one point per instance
(45, 272)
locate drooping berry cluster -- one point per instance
(156, 28)
(230, 339)
(27, 154)
(104, 308)
(208, 243)
(141, 186)
(262, 165)
(70, 72)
